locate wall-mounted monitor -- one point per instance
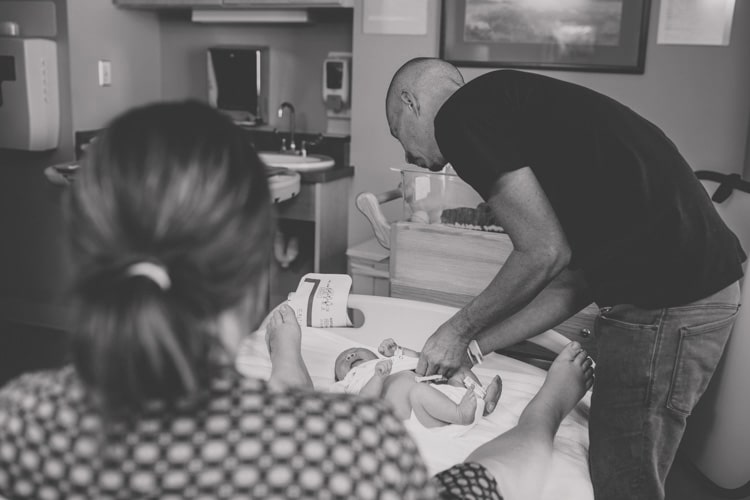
(238, 82)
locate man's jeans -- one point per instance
(651, 369)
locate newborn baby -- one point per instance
(457, 401)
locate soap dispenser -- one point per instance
(337, 92)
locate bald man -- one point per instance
(601, 207)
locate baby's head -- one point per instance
(350, 358)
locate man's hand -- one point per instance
(443, 353)
(383, 368)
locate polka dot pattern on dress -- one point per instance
(244, 442)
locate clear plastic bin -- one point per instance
(443, 198)
(427, 194)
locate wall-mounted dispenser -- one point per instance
(238, 82)
(29, 93)
(337, 78)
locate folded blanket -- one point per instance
(481, 218)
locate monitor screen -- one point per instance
(237, 78)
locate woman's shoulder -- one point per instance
(29, 388)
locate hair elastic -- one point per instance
(155, 272)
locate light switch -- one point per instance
(105, 73)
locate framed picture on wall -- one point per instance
(578, 35)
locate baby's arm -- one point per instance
(433, 408)
(388, 348)
(374, 387)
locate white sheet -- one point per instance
(568, 477)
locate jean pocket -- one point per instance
(698, 353)
(629, 317)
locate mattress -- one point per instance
(410, 323)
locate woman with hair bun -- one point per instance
(170, 224)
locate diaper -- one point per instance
(451, 430)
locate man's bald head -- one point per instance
(423, 76)
(417, 92)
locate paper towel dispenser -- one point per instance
(29, 94)
(238, 82)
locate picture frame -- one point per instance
(573, 35)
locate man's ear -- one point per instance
(410, 101)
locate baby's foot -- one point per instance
(467, 408)
(492, 391)
(568, 379)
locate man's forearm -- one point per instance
(520, 279)
(563, 297)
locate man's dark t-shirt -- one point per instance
(639, 223)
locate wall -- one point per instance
(296, 54)
(700, 96)
(373, 150)
(33, 269)
(130, 40)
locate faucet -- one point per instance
(290, 107)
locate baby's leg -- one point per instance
(492, 391)
(519, 457)
(434, 409)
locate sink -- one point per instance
(283, 183)
(296, 162)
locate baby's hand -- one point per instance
(388, 347)
(383, 368)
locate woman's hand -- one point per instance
(443, 353)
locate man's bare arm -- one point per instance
(540, 253)
(566, 295)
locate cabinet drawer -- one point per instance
(301, 207)
(443, 264)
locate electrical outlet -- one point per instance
(105, 73)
